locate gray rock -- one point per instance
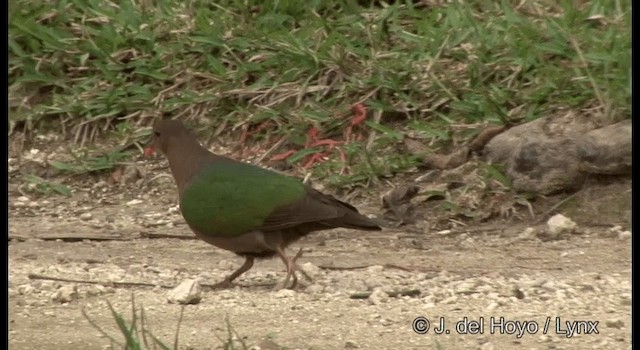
(554, 154)
(378, 296)
(559, 224)
(350, 345)
(65, 294)
(624, 235)
(188, 292)
(617, 323)
(285, 293)
(606, 150)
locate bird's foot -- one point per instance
(292, 268)
(224, 284)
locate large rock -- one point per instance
(606, 150)
(555, 154)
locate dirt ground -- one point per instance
(478, 272)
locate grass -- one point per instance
(261, 71)
(136, 334)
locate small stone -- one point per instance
(492, 306)
(616, 229)
(625, 299)
(314, 288)
(65, 294)
(96, 290)
(371, 283)
(188, 292)
(349, 344)
(378, 296)
(559, 224)
(518, 293)
(23, 199)
(528, 233)
(624, 235)
(86, 216)
(617, 323)
(285, 293)
(225, 265)
(134, 202)
(375, 268)
(135, 269)
(26, 289)
(487, 346)
(312, 270)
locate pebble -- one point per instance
(65, 294)
(285, 293)
(624, 235)
(26, 289)
(134, 202)
(349, 344)
(187, 292)
(135, 269)
(559, 224)
(492, 306)
(487, 346)
(528, 233)
(615, 323)
(314, 289)
(378, 296)
(86, 216)
(371, 283)
(96, 290)
(312, 270)
(375, 269)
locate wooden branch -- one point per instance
(66, 238)
(215, 286)
(163, 235)
(103, 238)
(392, 294)
(34, 276)
(358, 267)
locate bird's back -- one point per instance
(228, 198)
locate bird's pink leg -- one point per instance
(292, 268)
(227, 282)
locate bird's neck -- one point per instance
(186, 163)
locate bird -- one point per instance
(249, 210)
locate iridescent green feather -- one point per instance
(228, 198)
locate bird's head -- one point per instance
(166, 134)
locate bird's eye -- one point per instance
(157, 133)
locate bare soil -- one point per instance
(487, 271)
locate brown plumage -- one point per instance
(251, 211)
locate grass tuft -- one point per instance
(90, 65)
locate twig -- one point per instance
(556, 206)
(358, 267)
(392, 294)
(70, 238)
(164, 235)
(271, 149)
(215, 286)
(377, 116)
(34, 276)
